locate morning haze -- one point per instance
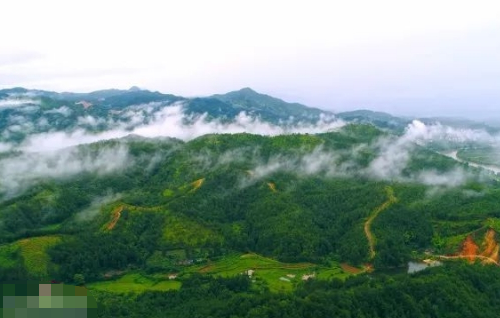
(427, 59)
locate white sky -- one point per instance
(405, 57)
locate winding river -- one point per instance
(453, 155)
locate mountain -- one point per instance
(379, 119)
(267, 107)
(222, 206)
(128, 109)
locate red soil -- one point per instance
(492, 247)
(116, 216)
(350, 269)
(469, 249)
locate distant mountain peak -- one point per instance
(134, 89)
(247, 90)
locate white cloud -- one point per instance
(396, 152)
(11, 103)
(420, 132)
(63, 110)
(282, 46)
(21, 171)
(171, 122)
(4, 147)
(90, 121)
(95, 206)
(51, 141)
(448, 179)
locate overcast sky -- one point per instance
(406, 57)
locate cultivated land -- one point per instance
(135, 283)
(265, 271)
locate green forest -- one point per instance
(245, 225)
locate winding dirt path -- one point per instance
(391, 199)
(486, 258)
(117, 213)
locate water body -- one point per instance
(453, 155)
(414, 267)
(410, 268)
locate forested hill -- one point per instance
(296, 198)
(32, 113)
(26, 112)
(160, 211)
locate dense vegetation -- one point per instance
(171, 229)
(455, 291)
(188, 200)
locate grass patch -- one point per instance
(453, 243)
(168, 193)
(135, 283)
(34, 253)
(493, 223)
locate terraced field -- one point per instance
(135, 283)
(263, 271)
(278, 276)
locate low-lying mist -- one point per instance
(54, 154)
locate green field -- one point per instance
(135, 283)
(278, 276)
(274, 274)
(34, 253)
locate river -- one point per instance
(453, 155)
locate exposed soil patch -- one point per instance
(117, 213)
(469, 249)
(272, 186)
(491, 246)
(197, 184)
(350, 269)
(206, 269)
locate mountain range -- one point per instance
(146, 198)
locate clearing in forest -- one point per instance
(197, 184)
(135, 283)
(391, 199)
(350, 269)
(268, 270)
(471, 251)
(116, 216)
(272, 186)
(491, 245)
(34, 253)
